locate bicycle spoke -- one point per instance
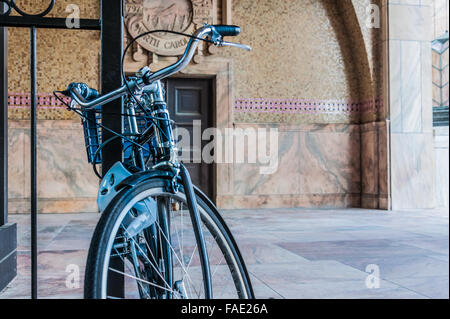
(136, 266)
(148, 260)
(154, 267)
(187, 268)
(142, 280)
(180, 243)
(139, 279)
(177, 257)
(217, 266)
(171, 247)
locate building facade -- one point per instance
(346, 83)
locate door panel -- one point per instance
(190, 100)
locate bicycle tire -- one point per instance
(94, 285)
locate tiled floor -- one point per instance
(290, 253)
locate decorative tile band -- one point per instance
(293, 106)
(44, 101)
(296, 106)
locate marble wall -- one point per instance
(412, 151)
(66, 183)
(318, 166)
(440, 17)
(375, 186)
(441, 145)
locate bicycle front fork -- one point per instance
(196, 223)
(166, 154)
(163, 244)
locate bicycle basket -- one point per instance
(93, 134)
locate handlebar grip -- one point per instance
(227, 30)
(84, 90)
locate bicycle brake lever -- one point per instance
(235, 45)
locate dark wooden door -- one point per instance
(190, 100)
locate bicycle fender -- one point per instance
(119, 177)
(107, 191)
(137, 178)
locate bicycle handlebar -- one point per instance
(102, 99)
(88, 100)
(227, 30)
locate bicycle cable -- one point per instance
(80, 113)
(97, 153)
(123, 61)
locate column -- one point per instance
(410, 101)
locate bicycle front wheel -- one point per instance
(144, 247)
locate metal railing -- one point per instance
(111, 26)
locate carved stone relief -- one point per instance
(175, 15)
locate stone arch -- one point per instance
(356, 47)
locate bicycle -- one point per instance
(159, 237)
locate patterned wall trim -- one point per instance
(296, 106)
(44, 101)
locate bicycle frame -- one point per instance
(161, 129)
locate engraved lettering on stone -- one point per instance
(175, 15)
